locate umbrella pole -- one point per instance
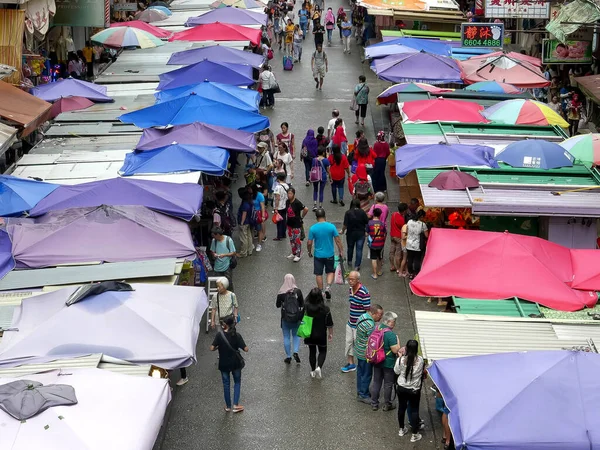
(575, 190)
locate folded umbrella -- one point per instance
(236, 16)
(151, 15)
(536, 153)
(246, 99)
(220, 72)
(162, 9)
(454, 180)
(71, 87)
(216, 53)
(66, 104)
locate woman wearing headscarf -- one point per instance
(329, 24)
(361, 187)
(309, 151)
(291, 302)
(382, 151)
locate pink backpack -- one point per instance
(375, 354)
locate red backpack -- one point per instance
(375, 354)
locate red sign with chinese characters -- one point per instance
(486, 35)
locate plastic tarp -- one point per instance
(216, 53)
(193, 108)
(20, 194)
(70, 87)
(246, 99)
(234, 16)
(101, 234)
(529, 400)
(115, 411)
(411, 157)
(489, 265)
(153, 324)
(178, 200)
(198, 133)
(176, 158)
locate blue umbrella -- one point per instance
(221, 72)
(411, 157)
(216, 53)
(7, 261)
(18, 194)
(195, 108)
(176, 158)
(407, 45)
(246, 99)
(164, 9)
(537, 154)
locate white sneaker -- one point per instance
(416, 437)
(403, 431)
(291, 256)
(296, 258)
(182, 381)
(318, 372)
(258, 248)
(312, 374)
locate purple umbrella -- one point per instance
(235, 16)
(70, 87)
(410, 157)
(417, 67)
(515, 401)
(454, 180)
(198, 133)
(179, 200)
(226, 73)
(102, 234)
(216, 53)
(7, 262)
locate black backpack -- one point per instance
(291, 308)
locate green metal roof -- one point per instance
(577, 175)
(440, 128)
(512, 307)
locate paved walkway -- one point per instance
(285, 408)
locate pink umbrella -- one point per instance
(442, 110)
(65, 104)
(454, 180)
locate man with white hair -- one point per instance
(360, 303)
(383, 373)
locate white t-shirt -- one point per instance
(287, 160)
(263, 160)
(414, 229)
(331, 125)
(281, 190)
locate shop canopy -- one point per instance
(417, 67)
(220, 72)
(521, 71)
(246, 99)
(131, 407)
(198, 133)
(407, 45)
(219, 32)
(539, 400)
(97, 234)
(18, 195)
(194, 108)
(7, 262)
(411, 157)
(235, 16)
(151, 324)
(154, 31)
(216, 53)
(442, 110)
(20, 108)
(176, 158)
(71, 87)
(178, 200)
(489, 265)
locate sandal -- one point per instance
(373, 276)
(237, 409)
(393, 269)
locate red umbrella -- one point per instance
(219, 32)
(443, 110)
(454, 180)
(487, 265)
(141, 25)
(65, 104)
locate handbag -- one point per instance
(238, 356)
(276, 89)
(233, 261)
(305, 328)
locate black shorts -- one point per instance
(324, 263)
(375, 253)
(362, 111)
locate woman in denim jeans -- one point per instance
(355, 223)
(289, 291)
(339, 169)
(228, 342)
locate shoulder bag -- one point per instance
(354, 104)
(238, 355)
(233, 259)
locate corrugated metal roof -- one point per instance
(436, 198)
(8, 136)
(91, 144)
(91, 129)
(444, 335)
(460, 129)
(6, 315)
(108, 112)
(578, 331)
(21, 279)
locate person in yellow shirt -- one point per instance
(88, 54)
(289, 37)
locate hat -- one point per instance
(262, 145)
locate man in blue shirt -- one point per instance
(303, 19)
(321, 236)
(222, 249)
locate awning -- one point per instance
(22, 109)
(428, 16)
(590, 86)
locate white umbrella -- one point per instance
(114, 411)
(154, 324)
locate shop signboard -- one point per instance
(81, 13)
(519, 9)
(125, 6)
(482, 35)
(569, 52)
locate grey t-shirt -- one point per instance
(320, 58)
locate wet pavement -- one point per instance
(285, 408)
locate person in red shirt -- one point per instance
(363, 154)
(339, 136)
(397, 247)
(339, 169)
(382, 151)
